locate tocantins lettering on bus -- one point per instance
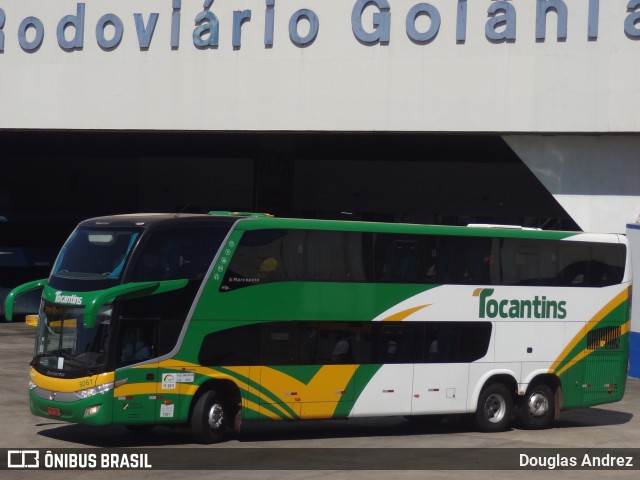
(538, 307)
(70, 299)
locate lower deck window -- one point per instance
(331, 342)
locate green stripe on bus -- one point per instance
(266, 393)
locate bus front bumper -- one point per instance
(95, 410)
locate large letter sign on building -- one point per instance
(536, 64)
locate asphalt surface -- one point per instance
(377, 447)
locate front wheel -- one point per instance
(537, 407)
(209, 418)
(495, 408)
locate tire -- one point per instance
(537, 409)
(209, 419)
(495, 408)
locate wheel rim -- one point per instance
(215, 417)
(538, 404)
(495, 408)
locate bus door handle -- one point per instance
(150, 376)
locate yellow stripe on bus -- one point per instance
(606, 310)
(399, 316)
(69, 385)
(586, 352)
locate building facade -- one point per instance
(437, 111)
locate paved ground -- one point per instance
(609, 426)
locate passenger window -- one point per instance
(238, 346)
(279, 343)
(399, 343)
(184, 253)
(267, 256)
(465, 260)
(324, 343)
(405, 258)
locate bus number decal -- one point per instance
(85, 383)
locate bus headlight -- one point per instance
(91, 410)
(93, 391)
(32, 385)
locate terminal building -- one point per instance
(444, 111)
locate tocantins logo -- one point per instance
(69, 299)
(538, 307)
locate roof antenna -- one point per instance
(182, 211)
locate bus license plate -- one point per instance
(54, 412)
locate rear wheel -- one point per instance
(209, 419)
(495, 408)
(537, 407)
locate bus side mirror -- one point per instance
(128, 290)
(16, 292)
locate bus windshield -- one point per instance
(92, 254)
(65, 346)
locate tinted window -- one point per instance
(326, 343)
(136, 341)
(177, 254)
(266, 256)
(396, 342)
(169, 310)
(234, 346)
(323, 343)
(456, 342)
(465, 260)
(566, 264)
(405, 258)
(280, 343)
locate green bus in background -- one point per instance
(212, 320)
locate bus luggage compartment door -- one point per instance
(136, 397)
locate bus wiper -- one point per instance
(35, 359)
(56, 354)
(70, 357)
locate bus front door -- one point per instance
(138, 380)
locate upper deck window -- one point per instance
(268, 256)
(178, 253)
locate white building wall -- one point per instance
(483, 66)
(459, 80)
(596, 178)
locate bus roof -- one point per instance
(250, 221)
(147, 219)
(257, 223)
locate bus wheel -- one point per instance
(209, 418)
(536, 410)
(495, 408)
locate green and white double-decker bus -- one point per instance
(212, 320)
